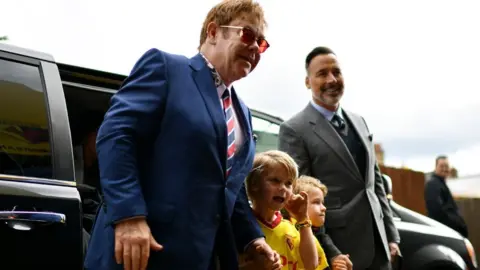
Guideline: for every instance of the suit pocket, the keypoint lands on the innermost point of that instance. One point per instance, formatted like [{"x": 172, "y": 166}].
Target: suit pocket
[{"x": 333, "y": 202}]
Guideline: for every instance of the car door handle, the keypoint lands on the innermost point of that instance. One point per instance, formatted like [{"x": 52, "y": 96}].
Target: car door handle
[{"x": 32, "y": 217}]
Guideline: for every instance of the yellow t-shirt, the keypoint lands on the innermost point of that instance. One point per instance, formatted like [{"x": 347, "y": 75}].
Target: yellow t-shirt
[
  {"x": 322, "y": 258},
  {"x": 283, "y": 237}
]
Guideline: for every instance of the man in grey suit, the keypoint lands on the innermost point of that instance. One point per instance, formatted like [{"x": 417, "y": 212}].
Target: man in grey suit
[{"x": 335, "y": 146}]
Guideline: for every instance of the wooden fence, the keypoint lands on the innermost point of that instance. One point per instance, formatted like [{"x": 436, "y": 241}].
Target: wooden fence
[{"x": 408, "y": 187}]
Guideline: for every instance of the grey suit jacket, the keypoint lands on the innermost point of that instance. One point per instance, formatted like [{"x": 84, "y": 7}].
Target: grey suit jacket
[{"x": 356, "y": 204}]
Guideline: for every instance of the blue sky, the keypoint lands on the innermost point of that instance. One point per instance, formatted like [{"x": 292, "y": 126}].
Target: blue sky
[{"x": 410, "y": 67}]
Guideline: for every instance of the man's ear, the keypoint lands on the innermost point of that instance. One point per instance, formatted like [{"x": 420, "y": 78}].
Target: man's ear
[
  {"x": 212, "y": 30},
  {"x": 307, "y": 82}
]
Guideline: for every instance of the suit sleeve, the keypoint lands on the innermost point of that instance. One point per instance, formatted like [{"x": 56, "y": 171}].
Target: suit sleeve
[
  {"x": 133, "y": 110},
  {"x": 439, "y": 209},
  {"x": 291, "y": 143},
  {"x": 244, "y": 224},
  {"x": 391, "y": 229}
]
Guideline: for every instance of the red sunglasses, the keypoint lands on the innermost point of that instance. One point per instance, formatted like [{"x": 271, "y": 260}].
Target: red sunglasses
[{"x": 248, "y": 36}]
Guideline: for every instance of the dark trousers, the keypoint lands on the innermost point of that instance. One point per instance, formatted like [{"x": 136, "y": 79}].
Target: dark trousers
[
  {"x": 380, "y": 261},
  {"x": 223, "y": 258}
]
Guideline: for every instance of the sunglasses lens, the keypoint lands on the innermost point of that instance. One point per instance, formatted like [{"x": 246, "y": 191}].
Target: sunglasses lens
[
  {"x": 262, "y": 45},
  {"x": 248, "y": 36}
]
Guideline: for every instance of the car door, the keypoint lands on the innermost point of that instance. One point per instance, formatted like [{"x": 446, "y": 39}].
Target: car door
[
  {"x": 40, "y": 207},
  {"x": 265, "y": 129}
]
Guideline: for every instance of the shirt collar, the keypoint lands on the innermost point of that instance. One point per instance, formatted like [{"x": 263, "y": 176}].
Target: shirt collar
[
  {"x": 327, "y": 113},
  {"x": 277, "y": 219},
  {"x": 439, "y": 177},
  {"x": 219, "y": 83}
]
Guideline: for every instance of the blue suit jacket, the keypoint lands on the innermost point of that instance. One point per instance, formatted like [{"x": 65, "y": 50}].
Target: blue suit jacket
[{"x": 162, "y": 154}]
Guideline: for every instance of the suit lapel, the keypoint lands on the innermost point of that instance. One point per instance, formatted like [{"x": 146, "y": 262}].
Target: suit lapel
[
  {"x": 356, "y": 124},
  {"x": 242, "y": 114},
  {"x": 241, "y": 156},
  {"x": 206, "y": 86},
  {"x": 322, "y": 128}
]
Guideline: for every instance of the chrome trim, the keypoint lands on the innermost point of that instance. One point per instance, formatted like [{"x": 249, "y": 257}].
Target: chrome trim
[
  {"x": 90, "y": 87},
  {"x": 47, "y": 181},
  {"x": 38, "y": 190},
  {"x": 32, "y": 217}
]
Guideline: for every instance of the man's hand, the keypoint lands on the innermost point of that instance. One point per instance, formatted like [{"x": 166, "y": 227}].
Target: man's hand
[
  {"x": 133, "y": 241},
  {"x": 262, "y": 254},
  {"x": 394, "y": 249},
  {"x": 297, "y": 206},
  {"x": 341, "y": 262}
]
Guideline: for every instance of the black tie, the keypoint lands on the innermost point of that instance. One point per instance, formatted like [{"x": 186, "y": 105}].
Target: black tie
[{"x": 338, "y": 122}]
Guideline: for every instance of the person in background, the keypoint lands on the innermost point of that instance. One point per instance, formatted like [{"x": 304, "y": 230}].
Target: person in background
[
  {"x": 174, "y": 149},
  {"x": 439, "y": 200},
  {"x": 335, "y": 145},
  {"x": 270, "y": 187}
]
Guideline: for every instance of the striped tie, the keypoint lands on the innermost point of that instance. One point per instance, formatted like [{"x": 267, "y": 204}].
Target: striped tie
[{"x": 228, "y": 109}]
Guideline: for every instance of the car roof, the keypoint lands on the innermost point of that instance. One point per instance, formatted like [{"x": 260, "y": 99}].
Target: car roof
[{"x": 4, "y": 47}]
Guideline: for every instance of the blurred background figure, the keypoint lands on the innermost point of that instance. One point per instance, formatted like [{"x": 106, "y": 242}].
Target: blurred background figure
[{"x": 439, "y": 200}]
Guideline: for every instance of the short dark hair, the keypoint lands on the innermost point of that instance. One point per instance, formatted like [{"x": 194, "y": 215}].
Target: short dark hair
[
  {"x": 315, "y": 52},
  {"x": 440, "y": 158}
]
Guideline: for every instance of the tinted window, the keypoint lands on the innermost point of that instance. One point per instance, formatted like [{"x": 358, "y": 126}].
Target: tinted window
[
  {"x": 267, "y": 134},
  {"x": 24, "y": 135}
]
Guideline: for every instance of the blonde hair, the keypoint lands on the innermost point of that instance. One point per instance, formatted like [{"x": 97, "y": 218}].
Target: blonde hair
[
  {"x": 306, "y": 183},
  {"x": 227, "y": 11},
  {"x": 267, "y": 161}
]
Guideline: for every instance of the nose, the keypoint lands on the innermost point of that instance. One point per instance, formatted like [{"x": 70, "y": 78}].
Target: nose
[
  {"x": 323, "y": 208},
  {"x": 254, "y": 46},
  {"x": 331, "y": 78}
]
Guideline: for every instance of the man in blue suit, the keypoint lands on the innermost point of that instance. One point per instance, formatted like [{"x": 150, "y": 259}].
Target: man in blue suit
[{"x": 174, "y": 150}]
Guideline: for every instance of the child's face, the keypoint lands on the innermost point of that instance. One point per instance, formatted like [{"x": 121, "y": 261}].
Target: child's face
[
  {"x": 275, "y": 188},
  {"x": 316, "y": 209}
]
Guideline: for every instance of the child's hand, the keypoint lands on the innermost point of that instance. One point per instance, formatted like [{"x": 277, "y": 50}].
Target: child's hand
[
  {"x": 342, "y": 262},
  {"x": 297, "y": 206},
  {"x": 339, "y": 265}
]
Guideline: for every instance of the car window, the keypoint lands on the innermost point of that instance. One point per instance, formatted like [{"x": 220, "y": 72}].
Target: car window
[
  {"x": 267, "y": 134},
  {"x": 24, "y": 135}
]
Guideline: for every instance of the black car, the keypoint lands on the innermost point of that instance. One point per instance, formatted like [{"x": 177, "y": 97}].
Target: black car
[
  {"x": 43, "y": 213},
  {"x": 428, "y": 244}
]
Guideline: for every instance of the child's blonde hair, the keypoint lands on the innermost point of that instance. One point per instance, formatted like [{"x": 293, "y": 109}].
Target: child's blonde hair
[
  {"x": 267, "y": 161},
  {"x": 306, "y": 183}
]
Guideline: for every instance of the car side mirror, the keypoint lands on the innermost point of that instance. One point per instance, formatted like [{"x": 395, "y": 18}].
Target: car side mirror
[{"x": 387, "y": 184}]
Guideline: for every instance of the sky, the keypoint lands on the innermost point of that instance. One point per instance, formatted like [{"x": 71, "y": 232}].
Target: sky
[{"x": 410, "y": 67}]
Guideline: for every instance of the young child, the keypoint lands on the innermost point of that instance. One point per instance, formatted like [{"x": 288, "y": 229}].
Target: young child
[
  {"x": 270, "y": 188},
  {"x": 316, "y": 211}
]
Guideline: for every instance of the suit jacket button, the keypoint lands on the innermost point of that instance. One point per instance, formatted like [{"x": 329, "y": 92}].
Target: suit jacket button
[{"x": 218, "y": 218}]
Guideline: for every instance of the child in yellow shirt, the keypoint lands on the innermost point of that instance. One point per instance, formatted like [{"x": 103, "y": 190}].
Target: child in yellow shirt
[
  {"x": 316, "y": 211},
  {"x": 270, "y": 187}
]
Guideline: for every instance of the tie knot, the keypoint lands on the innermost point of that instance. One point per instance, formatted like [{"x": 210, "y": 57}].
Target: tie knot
[
  {"x": 337, "y": 121},
  {"x": 226, "y": 94}
]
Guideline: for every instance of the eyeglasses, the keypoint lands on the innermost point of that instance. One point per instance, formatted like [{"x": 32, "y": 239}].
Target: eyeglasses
[{"x": 248, "y": 36}]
